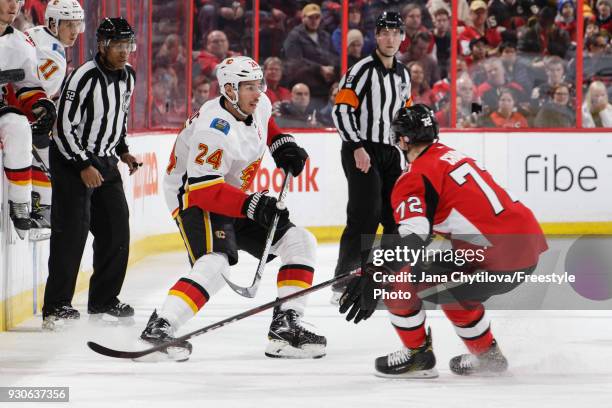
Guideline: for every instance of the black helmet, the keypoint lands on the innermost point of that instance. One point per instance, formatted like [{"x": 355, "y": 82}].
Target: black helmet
[
  {"x": 389, "y": 19},
  {"x": 417, "y": 123},
  {"x": 115, "y": 29}
]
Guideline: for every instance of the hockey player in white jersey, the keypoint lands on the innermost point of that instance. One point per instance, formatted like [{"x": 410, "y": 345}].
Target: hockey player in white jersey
[
  {"x": 64, "y": 21},
  {"x": 27, "y": 98},
  {"x": 213, "y": 163}
]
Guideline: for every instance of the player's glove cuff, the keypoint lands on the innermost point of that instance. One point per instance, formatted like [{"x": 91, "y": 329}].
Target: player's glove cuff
[{"x": 287, "y": 154}]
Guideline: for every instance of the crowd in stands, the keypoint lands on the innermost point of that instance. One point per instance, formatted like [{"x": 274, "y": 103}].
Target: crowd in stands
[
  {"x": 516, "y": 59},
  {"x": 517, "y": 64}
]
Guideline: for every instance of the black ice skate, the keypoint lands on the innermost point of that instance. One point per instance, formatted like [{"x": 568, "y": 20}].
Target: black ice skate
[
  {"x": 59, "y": 317},
  {"x": 40, "y": 219},
  {"x": 491, "y": 361},
  {"x": 159, "y": 331},
  {"x": 409, "y": 363},
  {"x": 20, "y": 215},
  {"x": 115, "y": 314},
  {"x": 290, "y": 339}
]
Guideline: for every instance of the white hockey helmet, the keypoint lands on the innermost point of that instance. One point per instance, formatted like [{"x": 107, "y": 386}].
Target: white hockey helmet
[
  {"x": 235, "y": 70},
  {"x": 65, "y": 10}
]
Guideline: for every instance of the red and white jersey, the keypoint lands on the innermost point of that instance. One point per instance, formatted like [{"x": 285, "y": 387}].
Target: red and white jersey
[
  {"x": 215, "y": 158},
  {"x": 17, "y": 52},
  {"x": 51, "y": 56},
  {"x": 447, "y": 192}
]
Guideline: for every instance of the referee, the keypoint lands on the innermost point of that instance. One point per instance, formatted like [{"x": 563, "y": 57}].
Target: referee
[
  {"x": 87, "y": 187},
  {"x": 370, "y": 94}
]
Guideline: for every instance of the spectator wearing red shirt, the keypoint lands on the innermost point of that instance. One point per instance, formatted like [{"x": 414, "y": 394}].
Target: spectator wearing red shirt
[
  {"x": 566, "y": 17},
  {"x": 412, "y": 14},
  {"x": 479, "y": 28},
  {"x": 273, "y": 73},
  {"x": 505, "y": 116},
  {"x": 604, "y": 17},
  {"x": 217, "y": 49}
]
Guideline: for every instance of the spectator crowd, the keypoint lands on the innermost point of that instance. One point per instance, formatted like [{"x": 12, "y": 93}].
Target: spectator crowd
[{"x": 516, "y": 59}]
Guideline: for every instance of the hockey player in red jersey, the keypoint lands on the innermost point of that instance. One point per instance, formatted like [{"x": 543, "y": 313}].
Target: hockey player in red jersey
[
  {"x": 27, "y": 97},
  {"x": 446, "y": 192},
  {"x": 212, "y": 165}
]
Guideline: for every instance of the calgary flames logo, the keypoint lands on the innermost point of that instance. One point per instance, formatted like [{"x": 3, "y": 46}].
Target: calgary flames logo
[{"x": 248, "y": 174}]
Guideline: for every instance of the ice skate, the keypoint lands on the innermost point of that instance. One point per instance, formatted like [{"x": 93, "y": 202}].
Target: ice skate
[
  {"x": 59, "y": 318},
  {"x": 409, "y": 363},
  {"x": 159, "y": 331},
  {"x": 290, "y": 339},
  {"x": 118, "y": 314},
  {"x": 20, "y": 216},
  {"x": 491, "y": 361},
  {"x": 40, "y": 219}
]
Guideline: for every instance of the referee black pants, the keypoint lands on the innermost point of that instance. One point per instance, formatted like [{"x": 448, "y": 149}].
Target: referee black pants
[
  {"x": 369, "y": 202},
  {"x": 75, "y": 211}
]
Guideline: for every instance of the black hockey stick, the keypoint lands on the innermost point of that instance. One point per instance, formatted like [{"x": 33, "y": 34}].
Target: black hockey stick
[
  {"x": 250, "y": 291},
  {"x": 278, "y": 301},
  {"x": 43, "y": 166},
  {"x": 11, "y": 75}
]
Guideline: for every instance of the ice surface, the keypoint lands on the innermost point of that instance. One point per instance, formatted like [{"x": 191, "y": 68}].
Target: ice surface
[{"x": 558, "y": 359}]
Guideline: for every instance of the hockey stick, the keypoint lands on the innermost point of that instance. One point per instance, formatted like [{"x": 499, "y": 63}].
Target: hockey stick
[
  {"x": 43, "y": 166},
  {"x": 11, "y": 75},
  {"x": 278, "y": 301},
  {"x": 250, "y": 291}
]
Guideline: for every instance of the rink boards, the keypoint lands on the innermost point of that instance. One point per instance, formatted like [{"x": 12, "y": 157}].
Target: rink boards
[{"x": 563, "y": 177}]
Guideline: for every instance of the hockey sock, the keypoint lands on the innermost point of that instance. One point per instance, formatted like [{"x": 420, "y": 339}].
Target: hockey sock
[
  {"x": 191, "y": 292},
  {"x": 16, "y": 139},
  {"x": 471, "y": 324},
  {"x": 19, "y": 184},
  {"x": 291, "y": 279},
  {"x": 297, "y": 249},
  {"x": 410, "y": 326}
]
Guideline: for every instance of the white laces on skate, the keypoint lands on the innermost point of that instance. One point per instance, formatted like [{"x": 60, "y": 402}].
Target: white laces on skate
[
  {"x": 469, "y": 361},
  {"x": 399, "y": 357},
  {"x": 295, "y": 318}
]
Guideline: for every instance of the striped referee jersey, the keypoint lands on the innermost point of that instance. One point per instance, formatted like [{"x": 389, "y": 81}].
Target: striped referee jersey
[
  {"x": 369, "y": 97},
  {"x": 93, "y": 111}
]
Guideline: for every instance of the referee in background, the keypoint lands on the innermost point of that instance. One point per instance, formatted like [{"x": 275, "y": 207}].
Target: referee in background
[
  {"x": 87, "y": 187},
  {"x": 370, "y": 94}
]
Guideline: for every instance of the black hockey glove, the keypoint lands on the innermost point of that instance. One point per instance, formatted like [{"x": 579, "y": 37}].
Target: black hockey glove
[
  {"x": 359, "y": 294},
  {"x": 287, "y": 154},
  {"x": 262, "y": 209},
  {"x": 45, "y": 113}
]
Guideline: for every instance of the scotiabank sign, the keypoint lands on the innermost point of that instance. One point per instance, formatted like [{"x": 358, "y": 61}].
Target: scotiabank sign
[
  {"x": 271, "y": 179},
  {"x": 317, "y": 197},
  {"x": 145, "y": 180},
  {"x": 562, "y": 177}
]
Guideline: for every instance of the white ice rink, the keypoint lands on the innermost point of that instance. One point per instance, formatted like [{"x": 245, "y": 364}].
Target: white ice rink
[{"x": 557, "y": 359}]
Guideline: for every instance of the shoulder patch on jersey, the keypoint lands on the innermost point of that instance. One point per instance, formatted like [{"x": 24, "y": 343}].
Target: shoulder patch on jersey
[
  {"x": 59, "y": 49},
  {"x": 221, "y": 125}
]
